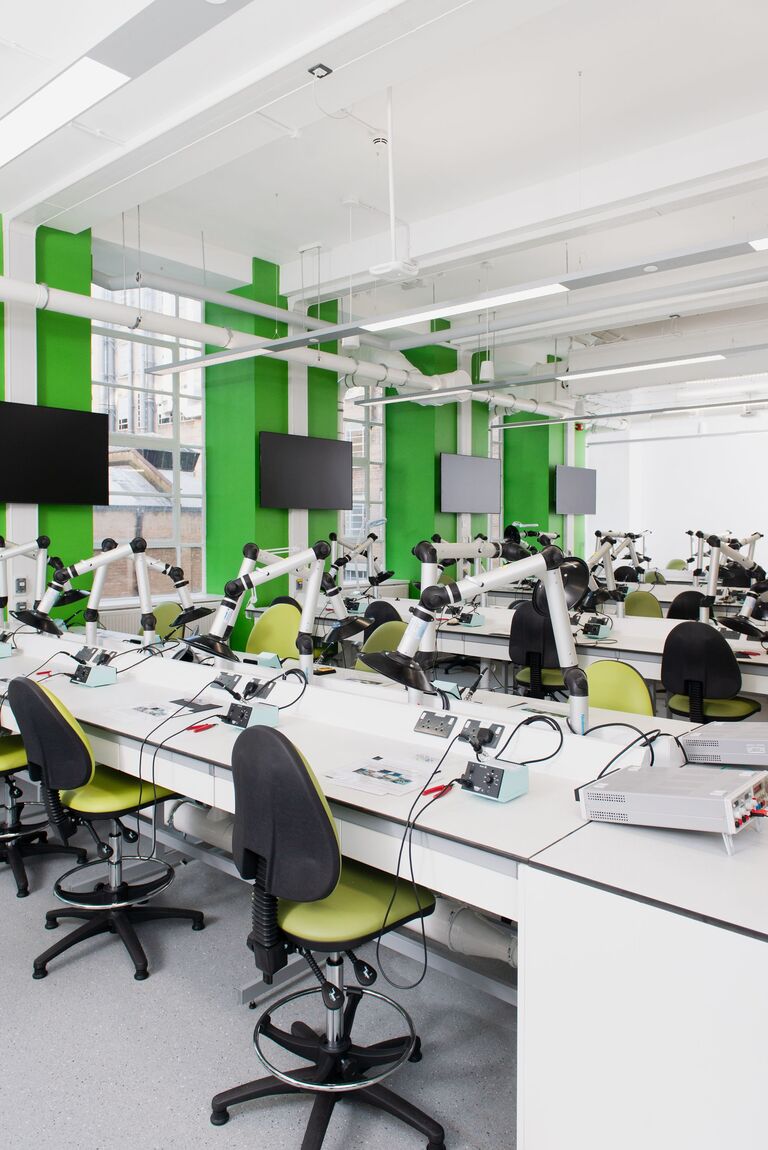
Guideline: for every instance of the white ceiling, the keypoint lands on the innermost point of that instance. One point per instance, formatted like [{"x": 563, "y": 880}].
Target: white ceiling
[{"x": 532, "y": 139}]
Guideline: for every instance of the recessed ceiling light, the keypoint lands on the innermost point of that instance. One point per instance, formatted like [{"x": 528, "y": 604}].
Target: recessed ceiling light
[{"x": 67, "y": 96}]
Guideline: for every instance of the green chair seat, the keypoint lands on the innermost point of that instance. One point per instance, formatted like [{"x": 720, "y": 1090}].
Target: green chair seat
[
  {"x": 354, "y": 912},
  {"x": 13, "y": 757},
  {"x": 385, "y": 638},
  {"x": 276, "y": 630},
  {"x": 724, "y": 709},
  {"x": 643, "y": 604},
  {"x": 550, "y": 677},
  {"x": 653, "y": 577},
  {"x": 617, "y": 686},
  {"x": 677, "y": 565},
  {"x": 110, "y": 792}
]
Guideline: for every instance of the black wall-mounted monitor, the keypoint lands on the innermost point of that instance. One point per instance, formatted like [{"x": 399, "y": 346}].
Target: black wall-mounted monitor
[
  {"x": 470, "y": 484},
  {"x": 575, "y": 490},
  {"x": 53, "y": 455},
  {"x": 302, "y": 471}
]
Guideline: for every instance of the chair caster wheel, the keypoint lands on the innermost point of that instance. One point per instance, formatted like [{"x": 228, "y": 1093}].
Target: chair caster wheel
[
  {"x": 198, "y": 926},
  {"x": 22, "y": 893},
  {"x": 83, "y": 860},
  {"x": 436, "y": 1145},
  {"x": 416, "y": 1055},
  {"x": 140, "y": 975},
  {"x": 39, "y": 973},
  {"x": 219, "y": 1117},
  {"x": 51, "y": 925}
]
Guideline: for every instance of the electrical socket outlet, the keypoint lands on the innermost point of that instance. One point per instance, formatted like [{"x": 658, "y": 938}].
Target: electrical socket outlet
[
  {"x": 21, "y": 586},
  {"x": 21, "y": 604},
  {"x": 436, "y": 723},
  {"x": 472, "y": 726}
]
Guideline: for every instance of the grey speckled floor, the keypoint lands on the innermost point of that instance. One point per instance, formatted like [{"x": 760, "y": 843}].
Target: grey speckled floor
[{"x": 96, "y": 1061}]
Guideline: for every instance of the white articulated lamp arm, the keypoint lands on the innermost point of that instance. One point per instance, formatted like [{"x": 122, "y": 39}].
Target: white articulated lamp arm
[
  {"x": 39, "y": 617},
  {"x": 215, "y": 642},
  {"x": 189, "y": 612},
  {"x": 9, "y": 551},
  {"x": 315, "y": 558},
  {"x": 401, "y": 665}
]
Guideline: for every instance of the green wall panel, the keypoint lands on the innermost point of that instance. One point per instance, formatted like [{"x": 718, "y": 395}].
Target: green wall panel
[
  {"x": 242, "y": 399},
  {"x": 415, "y": 436},
  {"x": 63, "y": 261},
  {"x": 323, "y": 415}
]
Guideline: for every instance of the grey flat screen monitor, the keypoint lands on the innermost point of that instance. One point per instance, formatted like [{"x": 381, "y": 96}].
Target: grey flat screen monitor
[
  {"x": 470, "y": 484},
  {"x": 53, "y": 455},
  {"x": 575, "y": 491},
  {"x": 303, "y": 471}
]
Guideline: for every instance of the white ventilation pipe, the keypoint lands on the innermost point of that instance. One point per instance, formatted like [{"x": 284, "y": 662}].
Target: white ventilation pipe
[
  {"x": 43, "y": 298},
  {"x": 212, "y": 295},
  {"x": 466, "y": 931},
  {"x": 207, "y": 823}
]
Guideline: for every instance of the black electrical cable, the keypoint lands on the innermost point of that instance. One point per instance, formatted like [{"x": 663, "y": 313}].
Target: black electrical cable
[{"x": 393, "y": 982}]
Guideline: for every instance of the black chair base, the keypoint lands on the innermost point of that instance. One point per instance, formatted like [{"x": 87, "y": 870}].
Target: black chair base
[
  {"x": 121, "y": 922},
  {"x": 14, "y": 853},
  {"x": 346, "y": 1063}
]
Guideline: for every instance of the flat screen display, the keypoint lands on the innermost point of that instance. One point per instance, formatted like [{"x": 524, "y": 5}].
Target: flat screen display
[
  {"x": 299, "y": 471},
  {"x": 469, "y": 484},
  {"x": 575, "y": 490},
  {"x": 53, "y": 455}
]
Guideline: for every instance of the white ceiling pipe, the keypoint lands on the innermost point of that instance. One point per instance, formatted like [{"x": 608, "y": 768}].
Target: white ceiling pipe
[
  {"x": 511, "y": 403},
  {"x": 42, "y": 297},
  {"x": 212, "y": 295}
]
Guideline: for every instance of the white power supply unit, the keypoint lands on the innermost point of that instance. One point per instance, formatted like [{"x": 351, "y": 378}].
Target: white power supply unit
[
  {"x": 723, "y": 801},
  {"x": 733, "y": 744}
]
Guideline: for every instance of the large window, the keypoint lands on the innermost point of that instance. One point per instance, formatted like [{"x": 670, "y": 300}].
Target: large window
[
  {"x": 364, "y": 428},
  {"x": 156, "y": 448}
]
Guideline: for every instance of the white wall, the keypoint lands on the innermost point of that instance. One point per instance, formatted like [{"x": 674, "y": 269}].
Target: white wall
[{"x": 671, "y": 475}]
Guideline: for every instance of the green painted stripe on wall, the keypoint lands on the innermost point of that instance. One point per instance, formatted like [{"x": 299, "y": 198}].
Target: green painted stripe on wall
[
  {"x": 242, "y": 399},
  {"x": 415, "y": 436},
  {"x": 323, "y": 415},
  {"x": 63, "y": 261}
]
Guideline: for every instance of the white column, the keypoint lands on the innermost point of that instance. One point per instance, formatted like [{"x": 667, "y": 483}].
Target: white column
[
  {"x": 464, "y": 441},
  {"x": 21, "y": 521},
  {"x": 569, "y": 460},
  {"x": 298, "y": 423}
]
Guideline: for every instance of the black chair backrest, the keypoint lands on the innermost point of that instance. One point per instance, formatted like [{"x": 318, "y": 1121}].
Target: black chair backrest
[
  {"x": 380, "y": 611},
  {"x": 695, "y": 653},
  {"x": 286, "y": 599},
  {"x": 731, "y": 575},
  {"x": 531, "y": 638},
  {"x": 626, "y": 575},
  {"x": 685, "y": 605},
  {"x": 283, "y": 834},
  {"x": 53, "y": 740}
]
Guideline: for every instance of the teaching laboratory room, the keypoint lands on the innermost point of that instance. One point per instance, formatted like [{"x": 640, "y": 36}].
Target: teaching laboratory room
[{"x": 383, "y": 574}]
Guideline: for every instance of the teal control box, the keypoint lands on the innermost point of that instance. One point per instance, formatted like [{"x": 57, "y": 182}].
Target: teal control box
[{"x": 489, "y": 780}]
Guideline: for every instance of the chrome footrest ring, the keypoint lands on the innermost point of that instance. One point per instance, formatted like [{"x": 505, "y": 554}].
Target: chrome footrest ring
[
  {"x": 105, "y": 897},
  {"x": 333, "y": 1087}
]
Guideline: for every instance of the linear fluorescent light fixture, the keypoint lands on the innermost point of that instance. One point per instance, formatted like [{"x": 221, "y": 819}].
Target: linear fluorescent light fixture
[
  {"x": 67, "y": 96},
  {"x": 637, "y": 367},
  {"x": 759, "y": 245},
  {"x": 484, "y": 303}
]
